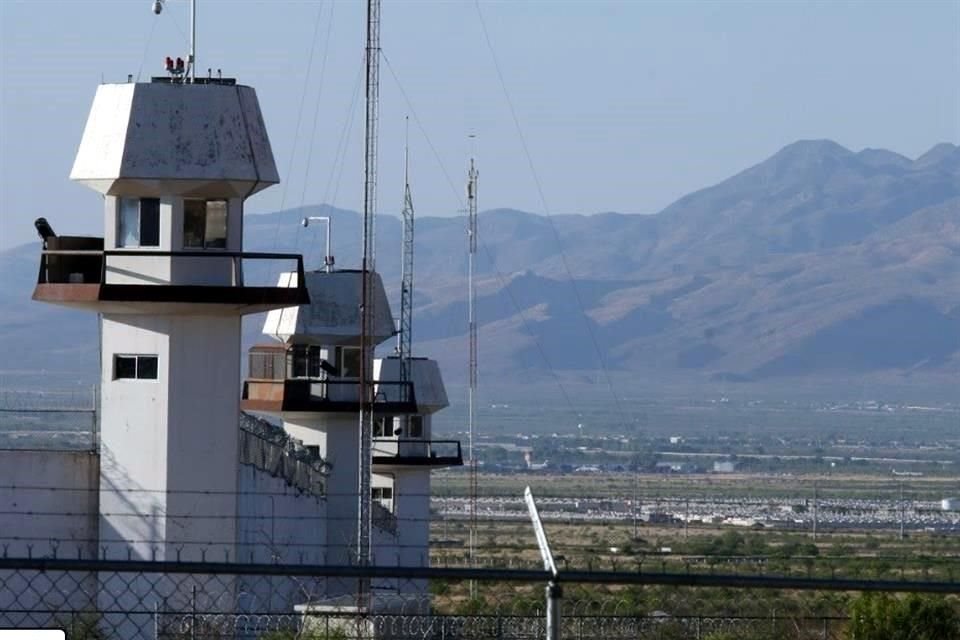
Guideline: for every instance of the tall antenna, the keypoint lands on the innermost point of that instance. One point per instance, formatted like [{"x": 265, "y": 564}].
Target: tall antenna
[
  {"x": 192, "y": 59},
  {"x": 192, "y": 56},
  {"x": 472, "y": 312},
  {"x": 405, "y": 338},
  {"x": 367, "y": 299}
]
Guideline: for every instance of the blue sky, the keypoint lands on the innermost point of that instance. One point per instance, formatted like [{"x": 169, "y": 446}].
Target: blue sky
[{"x": 625, "y": 106}]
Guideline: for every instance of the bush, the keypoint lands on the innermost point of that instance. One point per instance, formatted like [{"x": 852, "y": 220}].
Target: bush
[{"x": 915, "y": 617}]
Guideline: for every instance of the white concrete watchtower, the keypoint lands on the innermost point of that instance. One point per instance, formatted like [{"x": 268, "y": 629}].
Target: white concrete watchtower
[
  {"x": 175, "y": 162},
  {"x": 310, "y": 380}
]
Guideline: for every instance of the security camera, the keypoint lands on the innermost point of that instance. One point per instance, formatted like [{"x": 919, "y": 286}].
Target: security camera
[
  {"x": 398, "y": 431},
  {"x": 306, "y": 221},
  {"x": 157, "y": 6}
]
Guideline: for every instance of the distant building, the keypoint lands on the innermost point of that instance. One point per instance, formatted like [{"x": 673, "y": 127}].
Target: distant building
[
  {"x": 724, "y": 466},
  {"x": 950, "y": 504},
  {"x": 675, "y": 467}
]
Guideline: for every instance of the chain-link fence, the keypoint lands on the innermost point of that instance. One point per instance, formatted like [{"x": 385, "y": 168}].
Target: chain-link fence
[{"x": 98, "y": 599}]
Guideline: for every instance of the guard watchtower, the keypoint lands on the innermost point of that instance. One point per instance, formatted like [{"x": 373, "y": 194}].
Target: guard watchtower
[
  {"x": 174, "y": 162},
  {"x": 310, "y": 379}
]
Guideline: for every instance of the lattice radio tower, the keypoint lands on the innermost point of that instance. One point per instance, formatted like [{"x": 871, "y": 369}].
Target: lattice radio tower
[{"x": 367, "y": 267}]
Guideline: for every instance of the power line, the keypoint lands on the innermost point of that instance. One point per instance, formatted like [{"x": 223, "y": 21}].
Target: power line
[
  {"x": 296, "y": 129},
  {"x": 486, "y": 250},
  {"x": 549, "y": 217}
]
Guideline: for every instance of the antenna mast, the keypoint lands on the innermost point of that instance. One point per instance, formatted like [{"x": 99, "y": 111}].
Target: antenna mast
[
  {"x": 405, "y": 339},
  {"x": 472, "y": 306},
  {"x": 367, "y": 301}
]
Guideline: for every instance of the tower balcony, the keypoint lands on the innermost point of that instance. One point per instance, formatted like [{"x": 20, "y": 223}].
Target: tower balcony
[
  {"x": 294, "y": 378},
  {"x": 324, "y": 395},
  {"x": 77, "y": 272},
  {"x": 404, "y": 452}
]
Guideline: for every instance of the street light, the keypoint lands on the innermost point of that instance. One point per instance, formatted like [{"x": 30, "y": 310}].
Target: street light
[{"x": 328, "y": 257}]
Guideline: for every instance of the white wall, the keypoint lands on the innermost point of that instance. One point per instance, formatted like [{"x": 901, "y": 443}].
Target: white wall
[
  {"x": 170, "y": 446},
  {"x": 133, "y": 435},
  {"x": 59, "y": 490},
  {"x": 203, "y": 433},
  {"x": 279, "y": 523},
  {"x": 339, "y": 440}
]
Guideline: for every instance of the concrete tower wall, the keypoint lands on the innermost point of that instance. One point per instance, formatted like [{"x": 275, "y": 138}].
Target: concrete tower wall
[
  {"x": 133, "y": 438},
  {"x": 338, "y": 437},
  {"x": 202, "y": 440},
  {"x": 169, "y": 445}
]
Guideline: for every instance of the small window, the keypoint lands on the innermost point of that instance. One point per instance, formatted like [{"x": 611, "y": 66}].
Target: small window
[
  {"x": 383, "y": 427},
  {"x": 135, "y": 367},
  {"x": 306, "y": 361},
  {"x": 415, "y": 426},
  {"x": 138, "y": 222},
  {"x": 205, "y": 224},
  {"x": 349, "y": 362},
  {"x": 382, "y": 493}
]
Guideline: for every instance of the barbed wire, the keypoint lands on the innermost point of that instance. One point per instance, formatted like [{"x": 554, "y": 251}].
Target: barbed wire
[{"x": 119, "y": 599}]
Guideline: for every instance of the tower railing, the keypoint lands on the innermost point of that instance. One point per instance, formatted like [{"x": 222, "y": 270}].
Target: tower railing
[
  {"x": 92, "y": 265},
  {"x": 413, "y": 451},
  {"x": 325, "y": 394}
]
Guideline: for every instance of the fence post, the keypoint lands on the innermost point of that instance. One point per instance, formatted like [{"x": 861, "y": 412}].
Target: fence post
[
  {"x": 699, "y": 627},
  {"x": 825, "y": 625},
  {"x": 554, "y": 593},
  {"x": 193, "y": 612}
]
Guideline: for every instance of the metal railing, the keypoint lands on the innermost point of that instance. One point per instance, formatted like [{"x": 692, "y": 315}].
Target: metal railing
[
  {"x": 342, "y": 394},
  {"x": 90, "y": 266},
  {"x": 399, "y": 449}
]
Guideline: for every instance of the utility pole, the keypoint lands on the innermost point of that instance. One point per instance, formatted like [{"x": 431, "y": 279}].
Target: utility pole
[
  {"x": 901, "y": 510},
  {"x": 472, "y": 394},
  {"x": 816, "y": 508}
]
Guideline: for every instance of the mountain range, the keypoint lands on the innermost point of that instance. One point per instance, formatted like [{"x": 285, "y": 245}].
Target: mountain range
[{"x": 817, "y": 262}]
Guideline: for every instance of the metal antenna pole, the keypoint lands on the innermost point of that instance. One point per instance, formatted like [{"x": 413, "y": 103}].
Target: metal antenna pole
[
  {"x": 472, "y": 308},
  {"x": 554, "y": 590},
  {"x": 193, "y": 40},
  {"x": 328, "y": 260},
  {"x": 366, "y": 305},
  {"x": 405, "y": 337}
]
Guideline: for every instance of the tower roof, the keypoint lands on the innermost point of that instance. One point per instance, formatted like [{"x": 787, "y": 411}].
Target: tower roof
[
  {"x": 424, "y": 374},
  {"x": 333, "y": 315},
  {"x": 200, "y": 140}
]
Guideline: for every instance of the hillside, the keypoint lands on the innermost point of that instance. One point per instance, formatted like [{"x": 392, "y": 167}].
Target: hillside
[{"x": 819, "y": 261}]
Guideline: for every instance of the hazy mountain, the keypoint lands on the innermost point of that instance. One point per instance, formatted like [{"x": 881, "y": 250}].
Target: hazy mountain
[{"x": 816, "y": 261}]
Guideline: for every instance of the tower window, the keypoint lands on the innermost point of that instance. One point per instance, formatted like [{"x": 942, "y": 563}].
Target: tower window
[
  {"x": 205, "y": 224},
  {"x": 348, "y": 362},
  {"x": 139, "y": 222},
  {"x": 134, "y": 367},
  {"x": 415, "y": 426},
  {"x": 383, "y": 495},
  {"x": 383, "y": 427},
  {"x": 306, "y": 361}
]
